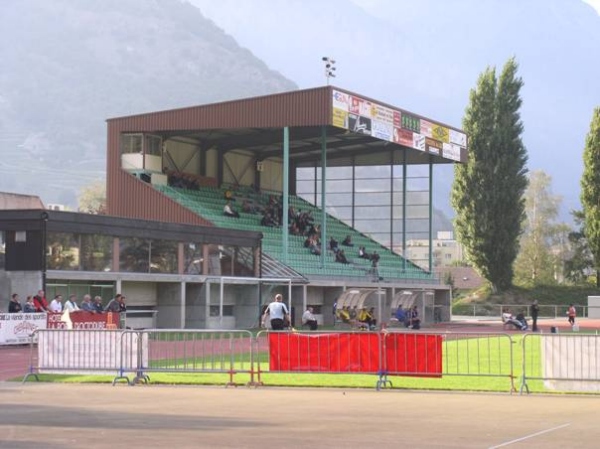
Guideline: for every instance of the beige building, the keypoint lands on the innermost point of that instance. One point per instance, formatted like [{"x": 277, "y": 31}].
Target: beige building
[{"x": 445, "y": 250}]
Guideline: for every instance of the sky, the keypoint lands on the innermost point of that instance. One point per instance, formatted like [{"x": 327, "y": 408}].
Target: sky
[{"x": 594, "y": 3}]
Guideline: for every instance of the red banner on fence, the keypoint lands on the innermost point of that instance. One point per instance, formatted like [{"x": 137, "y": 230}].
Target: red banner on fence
[
  {"x": 84, "y": 320},
  {"x": 417, "y": 355},
  {"x": 334, "y": 353}
]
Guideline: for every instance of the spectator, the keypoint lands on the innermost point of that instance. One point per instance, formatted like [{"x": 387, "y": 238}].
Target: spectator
[
  {"x": 117, "y": 304},
  {"x": 362, "y": 253},
  {"x": 522, "y": 320},
  {"x": 353, "y": 313},
  {"x": 71, "y": 304},
  {"x": 415, "y": 321},
  {"x": 344, "y": 314},
  {"x": 535, "y": 310},
  {"x": 229, "y": 211},
  {"x": 277, "y": 312},
  {"x": 268, "y": 220},
  {"x": 40, "y": 302},
  {"x": 309, "y": 319},
  {"x": 29, "y": 305},
  {"x": 248, "y": 208},
  {"x": 348, "y": 241},
  {"x": 341, "y": 257},
  {"x": 97, "y": 306},
  {"x": 572, "y": 314},
  {"x": 56, "y": 304},
  {"x": 400, "y": 315},
  {"x": 86, "y": 304},
  {"x": 314, "y": 246},
  {"x": 14, "y": 305},
  {"x": 333, "y": 245}
]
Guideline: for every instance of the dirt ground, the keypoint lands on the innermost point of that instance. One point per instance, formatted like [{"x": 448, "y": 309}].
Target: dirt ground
[{"x": 101, "y": 416}]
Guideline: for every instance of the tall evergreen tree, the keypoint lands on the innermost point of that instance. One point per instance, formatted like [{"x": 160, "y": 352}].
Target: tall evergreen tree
[
  {"x": 487, "y": 193},
  {"x": 590, "y": 190}
]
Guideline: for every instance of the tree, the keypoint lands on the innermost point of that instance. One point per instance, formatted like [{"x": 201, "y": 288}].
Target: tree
[
  {"x": 590, "y": 190},
  {"x": 487, "y": 193},
  {"x": 540, "y": 253},
  {"x": 92, "y": 198},
  {"x": 580, "y": 262}
]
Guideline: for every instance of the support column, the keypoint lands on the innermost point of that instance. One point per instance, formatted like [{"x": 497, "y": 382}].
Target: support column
[
  {"x": 182, "y": 306},
  {"x": 323, "y": 194},
  {"x": 286, "y": 175},
  {"x": 430, "y": 217},
  {"x": 404, "y": 184}
]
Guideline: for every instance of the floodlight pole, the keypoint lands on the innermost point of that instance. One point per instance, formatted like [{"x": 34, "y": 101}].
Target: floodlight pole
[{"x": 323, "y": 195}]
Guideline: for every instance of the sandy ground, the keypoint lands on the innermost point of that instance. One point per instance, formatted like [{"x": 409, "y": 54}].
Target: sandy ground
[{"x": 102, "y": 416}]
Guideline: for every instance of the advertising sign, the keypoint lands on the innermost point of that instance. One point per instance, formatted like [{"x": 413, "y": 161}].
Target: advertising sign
[
  {"x": 15, "y": 328},
  {"x": 365, "y": 117},
  {"x": 359, "y": 124},
  {"x": 340, "y": 118},
  {"x": 84, "y": 320}
]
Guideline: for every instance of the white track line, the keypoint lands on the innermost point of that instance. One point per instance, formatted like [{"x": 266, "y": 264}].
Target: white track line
[{"x": 531, "y": 436}]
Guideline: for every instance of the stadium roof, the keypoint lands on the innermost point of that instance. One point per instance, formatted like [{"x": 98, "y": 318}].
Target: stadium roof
[{"x": 357, "y": 129}]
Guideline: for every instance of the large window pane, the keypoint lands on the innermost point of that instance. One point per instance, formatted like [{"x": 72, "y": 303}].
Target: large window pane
[
  {"x": 96, "y": 252},
  {"x": 134, "y": 255},
  {"x": 192, "y": 258},
  {"x": 131, "y": 143},
  {"x": 62, "y": 251},
  {"x": 163, "y": 256}
]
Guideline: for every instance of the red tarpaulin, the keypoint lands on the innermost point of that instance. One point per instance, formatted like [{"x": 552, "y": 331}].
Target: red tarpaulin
[
  {"x": 413, "y": 355},
  {"x": 330, "y": 353}
]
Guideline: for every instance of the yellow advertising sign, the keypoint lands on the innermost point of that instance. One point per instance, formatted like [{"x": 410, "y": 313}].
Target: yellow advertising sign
[
  {"x": 440, "y": 133},
  {"x": 340, "y": 118}
]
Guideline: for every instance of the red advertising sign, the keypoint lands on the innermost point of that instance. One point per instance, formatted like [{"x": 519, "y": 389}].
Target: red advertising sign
[{"x": 84, "y": 320}]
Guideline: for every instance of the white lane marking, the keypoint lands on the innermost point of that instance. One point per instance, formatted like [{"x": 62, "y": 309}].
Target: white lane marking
[{"x": 526, "y": 437}]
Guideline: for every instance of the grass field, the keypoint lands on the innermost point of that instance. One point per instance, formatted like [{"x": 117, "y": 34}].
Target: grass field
[{"x": 469, "y": 364}]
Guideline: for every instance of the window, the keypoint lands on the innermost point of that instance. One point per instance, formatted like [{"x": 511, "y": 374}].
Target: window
[
  {"x": 131, "y": 143},
  {"x": 227, "y": 310},
  {"x": 153, "y": 145}
]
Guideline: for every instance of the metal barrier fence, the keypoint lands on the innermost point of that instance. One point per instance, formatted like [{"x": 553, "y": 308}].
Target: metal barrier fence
[
  {"x": 496, "y": 310},
  {"x": 397, "y": 353},
  {"x": 195, "y": 351},
  {"x": 562, "y": 361},
  {"x": 61, "y": 351}
]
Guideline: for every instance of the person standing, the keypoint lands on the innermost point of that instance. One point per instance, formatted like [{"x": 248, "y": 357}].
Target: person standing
[
  {"x": 29, "y": 305},
  {"x": 40, "y": 302},
  {"x": 56, "y": 304},
  {"x": 71, "y": 304},
  {"x": 117, "y": 304},
  {"x": 309, "y": 319},
  {"x": 277, "y": 312},
  {"x": 86, "y": 304},
  {"x": 572, "y": 313},
  {"x": 535, "y": 310},
  {"x": 14, "y": 305}
]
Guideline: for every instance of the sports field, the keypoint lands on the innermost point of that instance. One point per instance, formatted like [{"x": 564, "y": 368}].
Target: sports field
[{"x": 101, "y": 416}]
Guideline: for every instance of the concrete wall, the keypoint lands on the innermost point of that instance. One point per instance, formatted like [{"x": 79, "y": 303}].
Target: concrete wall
[
  {"x": 169, "y": 305},
  {"x": 195, "y": 316},
  {"x": 139, "y": 293},
  {"x": 24, "y": 283}
]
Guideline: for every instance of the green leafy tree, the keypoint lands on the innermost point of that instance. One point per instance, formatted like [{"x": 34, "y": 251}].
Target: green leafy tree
[
  {"x": 590, "y": 190},
  {"x": 487, "y": 193},
  {"x": 538, "y": 260},
  {"x": 580, "y": 262},
  {"x": 92, "y": 198}
]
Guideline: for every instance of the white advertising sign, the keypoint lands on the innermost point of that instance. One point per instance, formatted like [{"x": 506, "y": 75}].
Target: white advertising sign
[
  {"x": 340, "y": 100},
  {"x": 458, "y": 138},
  {"x": 451, "y": 151},
  {"x": 16, "y": 328}
]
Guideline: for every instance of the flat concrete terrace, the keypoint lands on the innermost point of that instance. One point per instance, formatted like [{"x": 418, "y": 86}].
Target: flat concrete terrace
[{"x": 101, "y": 416}]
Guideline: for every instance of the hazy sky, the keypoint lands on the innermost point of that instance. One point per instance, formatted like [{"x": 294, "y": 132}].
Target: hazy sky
[{"x": 594, "y": 3}]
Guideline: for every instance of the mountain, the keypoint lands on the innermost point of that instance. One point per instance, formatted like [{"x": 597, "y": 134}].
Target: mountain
[
  {"x": 425, "y": 56},
  {"x": 68, "y": 65}
]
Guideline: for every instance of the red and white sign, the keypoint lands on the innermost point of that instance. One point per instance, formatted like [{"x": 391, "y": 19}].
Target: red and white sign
[{"x": 84, "y": 320}]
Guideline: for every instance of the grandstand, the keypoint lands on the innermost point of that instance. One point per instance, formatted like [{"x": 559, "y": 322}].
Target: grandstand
[
  {"x": 208, "y": 203},
  {"x": 256, "y": 148}
]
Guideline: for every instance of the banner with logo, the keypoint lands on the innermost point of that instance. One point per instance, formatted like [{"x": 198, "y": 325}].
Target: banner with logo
[
  {"x": 84, "y": 320},
  {"x": 15, "y": 328}
]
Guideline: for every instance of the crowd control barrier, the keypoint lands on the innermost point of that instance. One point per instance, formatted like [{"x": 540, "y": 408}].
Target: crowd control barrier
[
  {"x": 61, "y": 351},
  {"x": 564, "y": 362},
  {"x": 195, "y": 351},
  {"x": 388, "y": 353}
]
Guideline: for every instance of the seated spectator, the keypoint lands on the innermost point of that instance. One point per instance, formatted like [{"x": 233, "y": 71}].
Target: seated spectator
[
  {"x": 309, "y": 319},
  {"x": 248, "y": 207},
  {"x": 228, "y": 195},
  {"x": 340, "y": 257},
  {"x": 29, "y": 305},
  {"x": 521, "y": 319},
  {"x": 333, "y": 245},
  {"x": 400, "y": 316},
  {"x": 362, "y": 253},
  {"x": 344, "y": 314},
  {"x": 268, "y": 221},
  {"x": 314, "y": 246},
  {"x": 353, "y": 313},
  {"x": 347, "y": 241},
  {"x": 97, "y": 306},
  {"x": 229, "y": 211},
  {"x": 71, "y": 304},
  {"x": 86, "y": 304},
  {"x": 375, "y": 257},
  {"x": 14, "y": 305}
]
